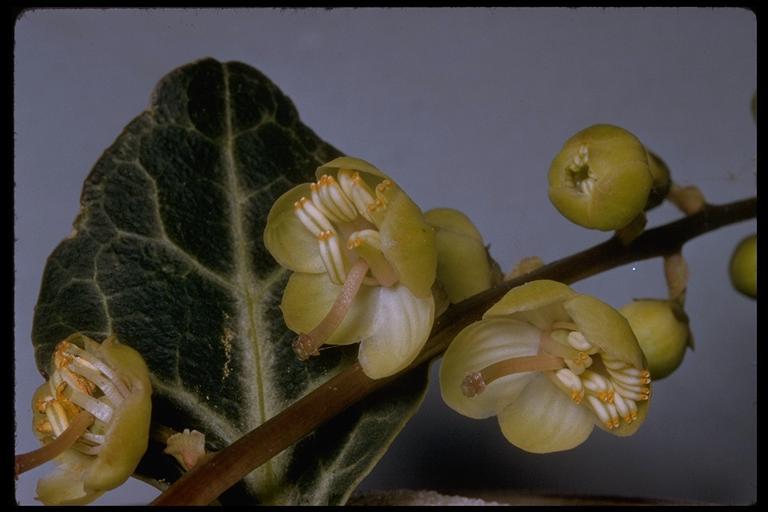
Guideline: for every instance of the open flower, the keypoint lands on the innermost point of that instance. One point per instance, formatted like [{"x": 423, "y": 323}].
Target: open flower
[
  {"x": 93, "y": 416},
  {"x": 551, "y": 364},
  {"x": 364, "y": 262}
]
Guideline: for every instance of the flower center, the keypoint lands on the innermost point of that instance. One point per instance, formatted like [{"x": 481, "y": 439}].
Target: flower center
[
  {"x": 579, "y": 173},
  {"x": 343, "y": 215},
  {"x": 610, "y": 387},
  {"x": 81, "y": 398}
]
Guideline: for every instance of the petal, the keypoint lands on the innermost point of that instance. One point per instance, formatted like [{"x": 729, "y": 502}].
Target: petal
[
  {"x": 401, "y": 327},
  {"x": 463, "y": 266},
  {"x": 538, "y": 302},
  {"x": 287, "y": 240},
  {"x": 308, "y": 298},
  {"x": 543, "y": 419},
  {"x": 127, "y": 435},
  {"x": 605, "y": 328},
  {"x": 477, "y": 346},
  {"x": 408, "y": 242},
  {"x": 65, "y": 487},
  {"x": 370, "y": 174},
  {"x": 455, "y": 221}
]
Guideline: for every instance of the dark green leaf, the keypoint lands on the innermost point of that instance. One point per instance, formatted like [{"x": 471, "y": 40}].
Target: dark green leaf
[{"x": 167, "y": 254}]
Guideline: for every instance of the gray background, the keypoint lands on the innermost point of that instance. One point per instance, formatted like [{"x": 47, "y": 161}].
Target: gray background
[{"x": 465, "y": 108}]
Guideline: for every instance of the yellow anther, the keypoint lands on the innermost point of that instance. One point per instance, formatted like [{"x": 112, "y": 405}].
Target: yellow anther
[
  {"x": 354, "y": 243},
  {"x": 582, "y": 357},
  {"x": 606, "y": 396},
  {"x": 645, "y": 374},
  {"x": 325, "y": 235},
  {"x": 300, "y": 203},
  {"x": 609, "y": 425},
  {"x": 629, "y": 418},
  {"x": 44, "y": 427},
  {"x": 577, "y": 396},
  {"x": 384, "y": 186},
  {"x": 378, "y": 204}
]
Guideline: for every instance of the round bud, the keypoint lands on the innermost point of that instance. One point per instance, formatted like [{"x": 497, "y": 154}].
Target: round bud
[
  {"x": 661, "y": 180},
  {"x": 601, "y": 179},
  {"x": 661, "y": 328},
  {"x": 743, "y": 267}
]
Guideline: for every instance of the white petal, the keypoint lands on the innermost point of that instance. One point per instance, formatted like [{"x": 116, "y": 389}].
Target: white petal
[
  {"x": 543, "y": 419},
  {"x": 477, "y": 346},
  {"x": 401, "y": 326}
]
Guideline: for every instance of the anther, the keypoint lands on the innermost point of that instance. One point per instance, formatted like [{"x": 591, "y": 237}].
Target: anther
[
  {"x": 572, "y": 382},
  {"x": 311, "y": 217}
]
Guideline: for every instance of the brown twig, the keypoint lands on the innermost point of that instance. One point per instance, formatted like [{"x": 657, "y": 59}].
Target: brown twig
[{"x": 208, "y": 480}]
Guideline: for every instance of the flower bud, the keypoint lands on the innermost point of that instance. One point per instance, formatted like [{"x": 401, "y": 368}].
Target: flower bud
[
  {"x": 661, "y": 180},
  {"x": 601, "y": 178},
  {"x": 743, "y": 267},
  {"x": 661, "y": 328}
]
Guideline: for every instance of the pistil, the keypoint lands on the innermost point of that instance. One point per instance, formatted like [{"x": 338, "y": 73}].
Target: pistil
[
  {"x": 61, "y": 443},
  {"x": 476, "y": 382},
  {"x": 307, "y": 345}
]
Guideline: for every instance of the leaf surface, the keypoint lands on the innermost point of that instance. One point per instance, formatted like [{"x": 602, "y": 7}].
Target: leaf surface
[{"x": 167, "y": 254}]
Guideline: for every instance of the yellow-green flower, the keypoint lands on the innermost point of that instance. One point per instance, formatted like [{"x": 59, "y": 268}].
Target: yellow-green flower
[
  {"x": 364, "y": 261},
  {"x": 551, "y": 364},
  {"x": 464, "y": 267},
  {"x": 110, "y": 382},
  {"x": 661, "y": 327},
  {"x": 743, "y": 266},
  {"x": 601, "y": 178}
]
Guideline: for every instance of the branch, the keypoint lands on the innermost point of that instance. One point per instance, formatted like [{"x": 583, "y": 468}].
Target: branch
[{"x": 207, "y": 481}]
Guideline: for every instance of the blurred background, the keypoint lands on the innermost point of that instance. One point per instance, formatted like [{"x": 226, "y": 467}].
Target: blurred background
[{"x": 464, "y": 108}]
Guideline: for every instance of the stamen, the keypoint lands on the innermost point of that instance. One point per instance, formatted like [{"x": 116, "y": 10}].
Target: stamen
[
  {"x": 307, "y": 345},
  {"x": 332, "y": 257},
  {"x": 578, "y": 341},
  {"x": 62, "y": 442},
  {"x": 598, "y": 386},
  {"x": 357, "y": 190},
  {"x": 601, "y": 411},
  {"x": 613, "y": 364},
  {"x": 622, "y": 407},
  {"x": 312, "y": 218},
  {"x": 629, "y": 380},
  {"x": 367, "y": 244},
  {"x": 331, "y": 200},
  {"x": 572, "y": 382},
  {"x": 632, "y": 394},
  {"x": 490, "y": 373}
]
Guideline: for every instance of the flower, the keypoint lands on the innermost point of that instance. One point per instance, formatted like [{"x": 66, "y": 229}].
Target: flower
[
  {"x": 464, "y": 267},
  {"x": 661, "y": 328},
  {"x": 601, "y": 178},
  {"x": 551, "y": 364},
  {"x": 364, "y": 261},
  {"x": 104, "y": 388},
  {"x": 743, "y": 266}
]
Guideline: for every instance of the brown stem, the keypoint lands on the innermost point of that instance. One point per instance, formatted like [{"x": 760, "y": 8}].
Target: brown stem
[
  {"x": 77, "y": 428},
  {"x": 208, "y": 480}
]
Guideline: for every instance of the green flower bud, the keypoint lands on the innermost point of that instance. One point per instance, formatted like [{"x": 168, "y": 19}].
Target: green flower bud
[
  {"x": 661, "y": 328},
  {"x": 601, "y": 178},
  {"x": 661, "y": 180},
  {"x": 743, "y": 267},
  {"x": 463, "y": 264}
]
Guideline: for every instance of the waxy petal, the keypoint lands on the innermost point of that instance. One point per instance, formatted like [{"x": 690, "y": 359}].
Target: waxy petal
[
  {"x": 542, "y": 419},
  {"x": 65, "y": 486},
  {"x": 463, "y": 266},
  {"x": 408, "y": 243},
  {"x": 478, "y": 346},
  {"x": 538, "y": 302},
  {"x": 308, "y": 298},
  {"x": 287, "y": 239},
  {"x": 605, "y": 328},
  {"x": 399, "y": 330}
]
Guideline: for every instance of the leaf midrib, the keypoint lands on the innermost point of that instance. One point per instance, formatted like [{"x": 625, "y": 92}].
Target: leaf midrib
[{"x": 243, "y": 274}]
